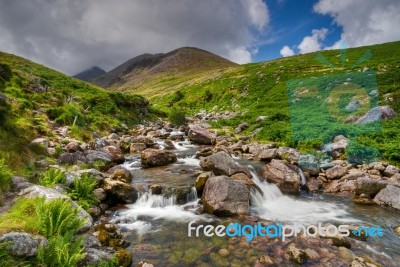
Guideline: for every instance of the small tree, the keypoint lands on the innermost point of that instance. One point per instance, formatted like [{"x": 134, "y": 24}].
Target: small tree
[{"x": 177, "y": 116}]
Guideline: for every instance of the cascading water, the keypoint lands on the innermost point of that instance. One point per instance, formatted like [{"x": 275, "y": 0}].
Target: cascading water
[
  {"x": 271, "y": 204},
  {"x": 155, "y": 207}
]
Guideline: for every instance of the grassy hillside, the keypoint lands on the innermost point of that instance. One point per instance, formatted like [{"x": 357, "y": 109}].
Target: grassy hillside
[
  {"x": 33, "y": 98},
  {"x": 150, "y": 74},
  {"x": 260, "y": 89}
]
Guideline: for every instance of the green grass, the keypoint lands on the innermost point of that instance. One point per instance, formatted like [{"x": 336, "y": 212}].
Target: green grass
[
  {"x": 261, "y": 89},
  {"x": 38, "y": 94},
  {"x": 51, "y": 177}
]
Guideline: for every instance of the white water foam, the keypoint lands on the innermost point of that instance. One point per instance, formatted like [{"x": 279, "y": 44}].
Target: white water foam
[
  {"x": 272, "y": 204},
  {"x": 159, "y": 207},
  {"x": 189, "y": 161}
]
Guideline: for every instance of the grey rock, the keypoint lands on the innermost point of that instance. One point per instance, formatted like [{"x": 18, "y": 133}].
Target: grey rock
[
  {"x": 376, "y": 114},
  {"x": 224, "y": 196},
  {"x": 284, "y": 175},
  {"x": 389, "y": 196},
  {"x": 22, "y": 244},
  {"x": 309, "y": 163},
  {"x": 336, "y": 172},
  {"x": 353, "y": 105},
  {"x": 268, "y": 154},
  {"x": 221, "y": 163},
  {"x": 390, "y": 171},
  {"x": 200, "y": 135},
  {"x": 369, "y": 186},
  {"x": 155, "y": 157},
  {"x": 71, "y": 158},
  {"x": 241, "y": 127}
]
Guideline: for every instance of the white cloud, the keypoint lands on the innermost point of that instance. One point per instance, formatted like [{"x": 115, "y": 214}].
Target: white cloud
[
  {"x": 71, "y": 35},
  {"x": 313, "y": 43},
  {"x": 286, "y": 51},
  {"x": 364, "y": 22}
]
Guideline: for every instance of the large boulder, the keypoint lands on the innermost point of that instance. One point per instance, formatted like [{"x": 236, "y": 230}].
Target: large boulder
[
  {"x": 50, "y": 194},
  {"x": 155, "y": 157},
  {"x": 289, "y": 154},
  {"x": 71, "y": 158},
  {"x": 115, "y": 154},
  {"x": 22, "y": 244},
  {"x": 221, "y": 163},
  {"x": 98, "y": 156},
  {"x": 376, "y": 114},
  {"x": 284, "y": 175},
  {"x": 389, "y": 196},
  {"x": 371, "y": 187},
  {"x": 201, "y": 181},
  {"x": 224, "y": 196},
  {"x": 309, "y": 163},
  {"x": 201, "y": 136},
  {"x": 119, "y": 192},
  {"x": 336, "y": 172}
]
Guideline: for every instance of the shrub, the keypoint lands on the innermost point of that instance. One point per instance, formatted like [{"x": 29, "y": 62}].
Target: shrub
[
  {"x": 82, "y": 191},
  {"x": 178, "y": 96},
  {"x": 58, "y": 217},
  {"x": 52, "y": 177},
  {"x": 5, "y": 176},
  {"x": 62, "y": 251},
  {"x": 177, "y": 116}
]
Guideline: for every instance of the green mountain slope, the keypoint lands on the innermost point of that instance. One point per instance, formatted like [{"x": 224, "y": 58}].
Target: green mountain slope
[
  {"x": 35, "y": 99},
  {"x": 260, "y": 89},
  {"x": 151, "y": 74}
]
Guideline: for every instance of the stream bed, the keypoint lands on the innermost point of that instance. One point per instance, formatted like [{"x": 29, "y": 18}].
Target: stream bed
[{"x": 157, "y": 225}]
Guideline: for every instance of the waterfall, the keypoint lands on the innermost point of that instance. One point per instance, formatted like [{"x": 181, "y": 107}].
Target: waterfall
[
  {"x": 303, "y": 178},
  {"x": 147, "y": 199},
  {"x": 269, "y": 202}
]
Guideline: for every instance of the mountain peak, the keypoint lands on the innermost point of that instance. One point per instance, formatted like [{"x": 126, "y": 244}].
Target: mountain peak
[
  {"x": 178, "y": 62},
  {"x": 90, "y": 74}
]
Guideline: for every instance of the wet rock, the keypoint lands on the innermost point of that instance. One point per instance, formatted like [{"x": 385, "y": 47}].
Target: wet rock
[
  {"x": 345, "y": 254},
  {"x": 156, "y": 157},
  {"x": 389, "y": 196},
  {"x": 205, "y": 152},
  {"x": 336, "y": 172},
  {"x": 283, "y": 174},
  {"x": 265, "y": 260},
  {"x": 169, "y": 145},
  {"x": 376, "y": 114},
  {"x": 309, "y": 163},
  {"x": 72, "y": 158},
  {"x": 180, "y": 193},
  {"x": 241, "y": 127},
  {"x": 144, "y": 140},
  {"x": 201, "y": 181},
  {"x": 224, "y": 196},
  {"x": 200, "y": 135},
  {"x": 340, "y": 241},
  {"x": 115, "y": 154},
  {"x": 222, "y": 164},
  {"x": 137, "y": 147},
  {"x": 22, "y": 244},
  {"x": 119, "y": 192},
  {"x": 297, "y": 255},
  {"x": 156, "y": 189},
  {"x": 144, "y": 264},
  {"x": 313, "y": 185},
  {"x": 121, "y": 174},
  {"x": 361, "y": 262},
  {"x": 369, "y": 186},
  {"x": 244, "y": 178}
]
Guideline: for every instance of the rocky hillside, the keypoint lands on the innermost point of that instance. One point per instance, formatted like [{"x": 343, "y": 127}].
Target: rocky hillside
[
  {"x": 144, "y": 74},
  {"x": 36, "y": 100},
  {"x": 90, "y": 74}
]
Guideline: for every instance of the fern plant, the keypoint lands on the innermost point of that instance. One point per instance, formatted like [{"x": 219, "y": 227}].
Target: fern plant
[
  {"x": 82, "y": 191},
  {"x": 58, "y": 217},
  {"x": 52, "y": 177},
  {"x": 62, "y": 251},
  {"x": 5, "y": 176}
]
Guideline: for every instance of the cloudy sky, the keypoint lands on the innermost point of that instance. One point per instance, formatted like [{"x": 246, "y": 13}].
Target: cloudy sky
[{"x": 72, "y": 35}]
